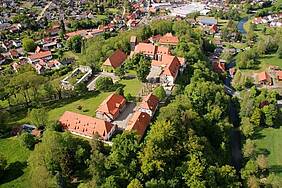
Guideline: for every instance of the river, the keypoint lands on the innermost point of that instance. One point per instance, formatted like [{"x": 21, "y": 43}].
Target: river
[{"x": 241, "y": 24}]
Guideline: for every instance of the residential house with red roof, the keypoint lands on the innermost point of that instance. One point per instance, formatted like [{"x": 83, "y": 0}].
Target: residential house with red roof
[
  {"x": 264, "y": 78},
  {"x": 86, "y": 126},
  {"x": 111, "y": 107},
  {"x": 44, "y": 55},
  {"x": 149, "y": 104},
  {"x": 169, "y": 39},
  {"x": 14, "y": 54},
  {"x": 139, "y": 122},
  {"x": 165, "y": 70},
  {"x": 279, "y": 75},
  {"x": 218, "y": 66},
  {"x": 114, "y": 61}
]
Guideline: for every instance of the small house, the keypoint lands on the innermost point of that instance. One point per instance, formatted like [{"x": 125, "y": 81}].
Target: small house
[
  {"x": 111, "y": 107},
  {"x": 114, "y": 61}
]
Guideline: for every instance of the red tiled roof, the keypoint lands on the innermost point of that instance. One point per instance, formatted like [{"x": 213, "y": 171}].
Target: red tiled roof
[
  {"x": 76, "y": 33},
  {"x": 40, "y": 55},
  {"x": 279, "y": 75},
  {"x": 169, "y": 39},
  {"x": 263, "y": 76},
  {"x": 155, "y": 38},
  {"x": 213, "y": 28},
  {"x": 219, "y": 67},
  {"x": 162, "y": 50},
  {"x": 14, "y": 53},
  {"x": 112, "y": 104},
  {"x": 172, "y": 68},
  {"x": 139, "y": 122},
  {"x": 145, "y": 48},
  {"x": 85, "y": 125},
  {"x": 170, "y": 63},
  {"x": 150, "y": 102},
  {"x": 116, "y": 59}
]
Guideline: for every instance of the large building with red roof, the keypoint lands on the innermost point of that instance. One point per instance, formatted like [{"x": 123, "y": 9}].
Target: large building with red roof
[
  {"x": 169, "y": 39},
  {"x": 111, "y": 107},
  {"x": 114, "y": 61},
  {"x": 139, "y": 122},
  {"x": 86, "y": 126},
  {"x": 150, "y": 50},
  {"x": 165, "y": 70}
]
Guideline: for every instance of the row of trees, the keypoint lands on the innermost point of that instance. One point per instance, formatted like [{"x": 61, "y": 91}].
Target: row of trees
[
  {"x": 249, "y": 59},
  {"x": 258, "y": 110}
]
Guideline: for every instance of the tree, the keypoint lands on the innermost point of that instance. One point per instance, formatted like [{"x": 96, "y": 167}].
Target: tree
[
  {"x": 250, "y": 169},
  {"x": 104, "y": 83},
  {"x": 247, "y": 128},
  {"x": 38, "y": 117},
  {"x": 256, "y": 117},
  {"x": 262, "y": 162},
  {"x": 27, "y": 140},
  {"x": 135, "y": 183},
  {"x": 120, "y": 71},
  {"x": 249, "y": 148},
  {"x": 81, "y": 88},
  {"x": 120, "y": 91},
  {"x": 143, "y": 69},
  {"x": 75, "y": 43},
  {"x": 279, "y": 51},
  {"x": 160, "y": 93},
  {"x": 270, "y": 113},
  {"x": 253, "y": 182},
  {"x": 28, "y": 44},
  {"x": 3, "y": 164}
]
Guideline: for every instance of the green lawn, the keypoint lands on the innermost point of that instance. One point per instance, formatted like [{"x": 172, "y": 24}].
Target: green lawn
[
  {"x": 270, "y": 143},
  {"x": 70, "y": 54},
  {"x": 132, "y": 86},
  {"x": 271, "y": 60},
  {"x": 17, "y": 155},
  {"x": 91, "y": 103}
]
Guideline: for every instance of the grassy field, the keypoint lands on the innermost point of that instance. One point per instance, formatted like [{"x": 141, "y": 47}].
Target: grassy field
[
  {"x": 17, "y": 155},
  {"x": 270, "y": 143},
  {"x": 89, "y": 105},
  {"x": 132, "y": 86}
]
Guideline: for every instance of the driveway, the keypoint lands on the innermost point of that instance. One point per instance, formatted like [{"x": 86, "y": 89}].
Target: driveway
[{"x": 123, "y": 118}]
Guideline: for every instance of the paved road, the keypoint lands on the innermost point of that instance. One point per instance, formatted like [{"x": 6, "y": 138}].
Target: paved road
[
  {"x": 43, "y": 11},
  {"x": 235, "y": 138}
]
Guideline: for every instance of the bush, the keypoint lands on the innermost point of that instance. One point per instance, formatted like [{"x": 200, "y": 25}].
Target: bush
[
  {"x": 27, "y": 140},
  {"x": 160, "y": 93},
  {"x": 104, "y": 84}
]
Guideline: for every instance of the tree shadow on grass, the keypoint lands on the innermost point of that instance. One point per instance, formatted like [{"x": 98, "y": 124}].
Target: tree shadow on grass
[
  {"x": 275, "y": 169},
  {"x": 258, "y": 135},
  {"x": 263, "y": 151},
  {"x": 13, "y": 171}
]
